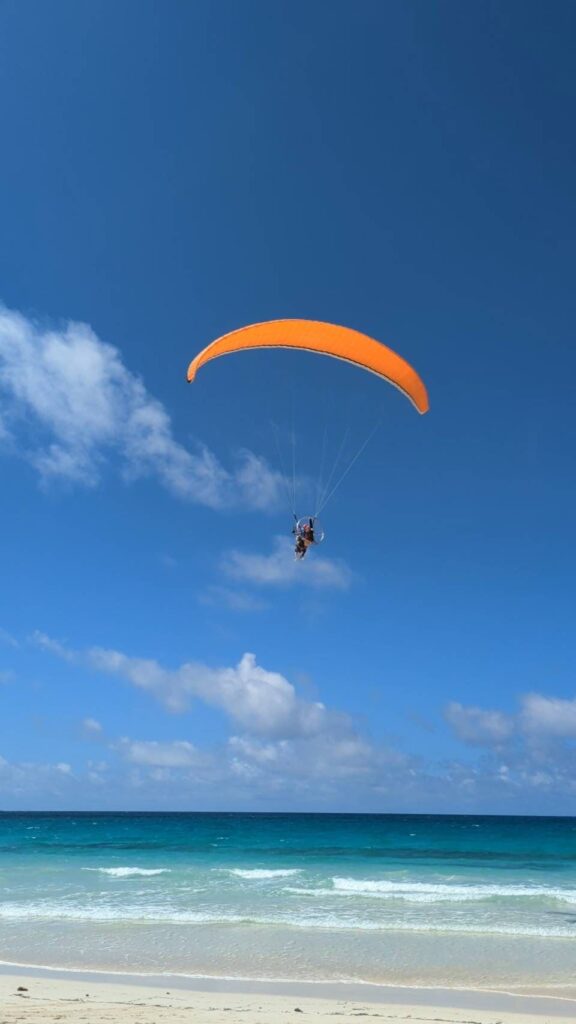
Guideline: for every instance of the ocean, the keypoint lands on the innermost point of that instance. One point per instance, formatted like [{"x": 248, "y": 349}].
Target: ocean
[{"x": 393, "y": 899}]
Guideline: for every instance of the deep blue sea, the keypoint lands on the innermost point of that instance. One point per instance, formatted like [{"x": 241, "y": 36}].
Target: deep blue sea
[{"x": 405, "y": 899}]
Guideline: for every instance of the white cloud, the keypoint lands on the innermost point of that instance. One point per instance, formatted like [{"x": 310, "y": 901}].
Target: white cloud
[
  {"x": 235, "y": 600},
  {"x": 46, "y": 643},
  {"x": 289, "y": 752},
  {"x": 281, "y": 569},
  {"x": 71, "y": 407},
  {"x": 4, "y": 432},
  {"x": 176, "y": 754},
  {"x": 23, "y": 780},
  {"x": 262, "y": 702},
  {"x": 312, "y": 760},
  {"x": 478, "y": 727},
  {"x": 92, "y": 726},
  {"x": 540, "y": 719},
  {"x": 7, "y": 639},
  {"x": 259, "y": 487},
  {"x": 548, "y": 717},
  {"x": 316, "y": 764}
]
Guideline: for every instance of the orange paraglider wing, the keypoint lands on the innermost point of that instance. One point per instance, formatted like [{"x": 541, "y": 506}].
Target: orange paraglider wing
[{"x": 326, "y": 339}]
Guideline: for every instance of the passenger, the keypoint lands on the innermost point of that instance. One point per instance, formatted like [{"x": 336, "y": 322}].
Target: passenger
[{"x": 300, "y": 548}]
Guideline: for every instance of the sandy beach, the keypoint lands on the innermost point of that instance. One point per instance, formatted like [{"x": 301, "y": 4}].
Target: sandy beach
[{"x": 43, "y": 996}]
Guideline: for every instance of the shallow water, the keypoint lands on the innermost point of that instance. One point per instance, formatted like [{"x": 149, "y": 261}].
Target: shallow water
[{"x": 409, "y": 899}]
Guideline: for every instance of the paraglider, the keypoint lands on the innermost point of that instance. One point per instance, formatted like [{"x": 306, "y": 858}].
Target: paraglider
[
  {"x": 334, "y": 341},
  {"x": 307, "y": 532}
]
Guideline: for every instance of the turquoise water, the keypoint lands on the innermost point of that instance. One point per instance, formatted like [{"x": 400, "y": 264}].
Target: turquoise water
[{"x": 414, "y": 899}]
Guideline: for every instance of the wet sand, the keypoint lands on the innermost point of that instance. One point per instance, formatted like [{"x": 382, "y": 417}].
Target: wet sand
[{"x": 35, "y": 995}]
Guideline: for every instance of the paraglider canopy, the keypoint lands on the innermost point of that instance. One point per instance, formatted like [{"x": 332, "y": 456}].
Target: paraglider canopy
[{"x": 325, "y": 339}]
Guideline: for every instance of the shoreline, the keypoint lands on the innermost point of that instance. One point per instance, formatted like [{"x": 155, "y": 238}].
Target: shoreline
[{"x": 72, "y": 993}]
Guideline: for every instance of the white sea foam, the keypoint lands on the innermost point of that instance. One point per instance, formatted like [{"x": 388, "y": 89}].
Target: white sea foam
[
  {"x": 129, "y": 872},
  {"x": 162, "y": 915},
  {"x": 434, "y": 891},
  {"x": 392, "y": 895},
  {"x": 258, "y": 874}
]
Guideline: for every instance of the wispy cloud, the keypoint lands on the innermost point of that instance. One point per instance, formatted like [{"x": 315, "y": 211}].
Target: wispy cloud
[
  {"x": 478, "y": 727},
  {"x": 234, "y": 600},
  {"x": 71, "y": 408},
  {"x": 92, "y": 727},
  {"x": 280, "y": 569},
  {"x": 47, "y": 643},
  {"x": 324, "y": 758},
  {"x": 7, "y": 640},
  {"x": 24, "y": 779},
  {"x": 175, "y": 754}
]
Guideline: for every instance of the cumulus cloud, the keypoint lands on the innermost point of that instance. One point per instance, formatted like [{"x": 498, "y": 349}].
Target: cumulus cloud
[
  {"x": 71, "y": 407},
  {"x": 261, "y": 701},
  {"x": 548, "y": 716},
  {"x": 311, "y": 765},
  {"x": 279, "y": 568},
  {"x": 282, "y": 743},
  {"x": 540, "y": 719}
]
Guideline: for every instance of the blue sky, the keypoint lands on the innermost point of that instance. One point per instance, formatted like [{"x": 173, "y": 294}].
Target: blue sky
[{"x": 173, "y": 171}]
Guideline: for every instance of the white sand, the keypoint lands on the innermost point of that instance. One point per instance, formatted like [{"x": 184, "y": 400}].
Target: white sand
[{"x": 85, "y": 999}]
